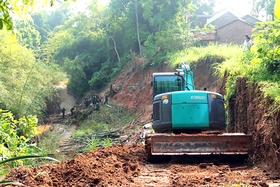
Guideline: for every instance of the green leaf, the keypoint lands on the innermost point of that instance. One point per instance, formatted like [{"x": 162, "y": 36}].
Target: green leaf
[
  {"x": 1, "y": 24},
  {"x": 11, "y": 182},
  {"x": 27, "y": 157}
]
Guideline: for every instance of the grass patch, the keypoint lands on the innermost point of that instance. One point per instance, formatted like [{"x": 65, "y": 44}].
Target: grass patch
[
  {"x": 196, "y": 54},
  {"x": 235, "y": 64},
  {"x": 106, "y": 119},
  {"x": 49, "y": 144},
  {"x": 93, "y": 143}
]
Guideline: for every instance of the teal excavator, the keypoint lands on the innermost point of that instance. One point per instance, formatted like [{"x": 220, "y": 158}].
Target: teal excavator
[{"x": 188, "y": 121}]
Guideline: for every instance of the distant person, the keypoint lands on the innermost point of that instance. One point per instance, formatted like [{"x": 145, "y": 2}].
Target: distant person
[
  {"x": 97, "y": 106},
  {"x": 247, "y": 44},
  {"x": 87, "y": 102},
  {"x": 72, "y": 110},
  {"x": 63, "y": 112},
  {"x": 93, "y": 99},
  {"x": 97, "y": 99},
  {"x": 106, "y": 99}
]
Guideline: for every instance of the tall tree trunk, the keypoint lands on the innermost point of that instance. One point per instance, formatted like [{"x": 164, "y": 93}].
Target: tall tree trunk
[
  {"x": 115, "y": 48},
  {"x": 137, "y": 26}
]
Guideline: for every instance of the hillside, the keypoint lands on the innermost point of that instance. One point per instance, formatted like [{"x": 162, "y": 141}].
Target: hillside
[
  {"x": 247, "y": 111},
  {"x": 134, "y": 90},
  {"x": 126, "y": 164}
]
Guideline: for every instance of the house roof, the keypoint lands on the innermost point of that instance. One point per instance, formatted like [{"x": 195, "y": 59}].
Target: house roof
[
  {"x": 205, "y": 36},
  {"x": 250, "y": 19},
  {"x": 221, "y": 13},
  {"x": 235, "y": 21}
]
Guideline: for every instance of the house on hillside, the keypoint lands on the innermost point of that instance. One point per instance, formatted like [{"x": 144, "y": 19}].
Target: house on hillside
[
  {"x": 230, "y": 26},
  {"x": 234, "y": 32},
  {"x": 223, "y": 17}
]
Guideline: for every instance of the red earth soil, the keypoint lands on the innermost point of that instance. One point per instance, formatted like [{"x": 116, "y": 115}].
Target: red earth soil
[{"x": 125, "y": 165}]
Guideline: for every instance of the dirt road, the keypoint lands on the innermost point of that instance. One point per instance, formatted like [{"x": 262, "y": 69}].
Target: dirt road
[
  {"x": 125, "y": 165},
  {"x": 66, "y": 100}
]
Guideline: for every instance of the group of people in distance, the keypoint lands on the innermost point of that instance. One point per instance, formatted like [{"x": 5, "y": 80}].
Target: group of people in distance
[
  {"x": 63, "y": 111},
  {"x": 94, "y": 101}
]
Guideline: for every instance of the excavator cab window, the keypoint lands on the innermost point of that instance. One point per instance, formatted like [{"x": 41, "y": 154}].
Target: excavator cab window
[{"x": 166, "y": 83}]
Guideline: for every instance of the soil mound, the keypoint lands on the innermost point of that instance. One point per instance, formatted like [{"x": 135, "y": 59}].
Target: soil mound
[
  {"x": 125, "y": 165},
  {"x": 111, "y": 166}
]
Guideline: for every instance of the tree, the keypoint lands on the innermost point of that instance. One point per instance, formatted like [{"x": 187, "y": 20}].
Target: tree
[
  {"x": 80, "y": 47},
  {"x": 28, "y": 35},
  {"x": 264, "y": 6},
  {"x": 25, "y": 84},
  {"x": 268, "y": 51},
  {"x": 204, "y": 7},
  {"x": 18, "y": 8},
  {"x": 137, "y": 26}
]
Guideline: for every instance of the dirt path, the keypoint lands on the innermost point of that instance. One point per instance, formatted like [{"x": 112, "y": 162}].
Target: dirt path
[
  {"x": 154, "y": 175},
  {"x": 66, "y": 100},
  {"x": 65, "y": 132},
  {"x": 65, "y": 127}
]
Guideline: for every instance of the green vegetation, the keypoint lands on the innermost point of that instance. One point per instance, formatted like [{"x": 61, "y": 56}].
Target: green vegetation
[
  {"x": 107, "y": 142},
  {"x": 95, "y": 130},
  {"x": 260, "y": 64},
  {"x": 15, "y": 138},
  {"x": 49, "y": 144},
  {"x": 106, "y": 119},
  {"x": 25, "y": 83},
  {"x": 15, "y": 135},
  {"x": 93, "y": 143}
]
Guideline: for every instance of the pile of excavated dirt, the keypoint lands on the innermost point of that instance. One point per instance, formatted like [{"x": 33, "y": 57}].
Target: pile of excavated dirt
[
  {"x": 125, "y": 165},
  {"x": 114, "y": 166}
]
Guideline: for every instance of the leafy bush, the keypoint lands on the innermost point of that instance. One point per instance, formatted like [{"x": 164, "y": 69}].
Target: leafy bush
[
  {"x": 267, "y": 47},
  {"x": 15, "y": 135}
]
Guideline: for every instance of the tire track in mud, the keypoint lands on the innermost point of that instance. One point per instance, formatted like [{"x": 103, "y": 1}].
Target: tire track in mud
[{"x": 154, "y": 175}]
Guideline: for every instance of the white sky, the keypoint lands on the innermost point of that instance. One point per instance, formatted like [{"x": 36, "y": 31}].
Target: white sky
[
  {"x": 104, "y": 1},
  {"x": 240, "y": 6}
]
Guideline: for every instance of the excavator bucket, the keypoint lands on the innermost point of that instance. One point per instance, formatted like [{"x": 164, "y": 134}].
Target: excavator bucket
[{"x": 199, "y": 144}]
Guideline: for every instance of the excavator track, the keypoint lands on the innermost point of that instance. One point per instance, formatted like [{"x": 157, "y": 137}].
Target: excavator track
[{"x": 150, "y": 156}]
